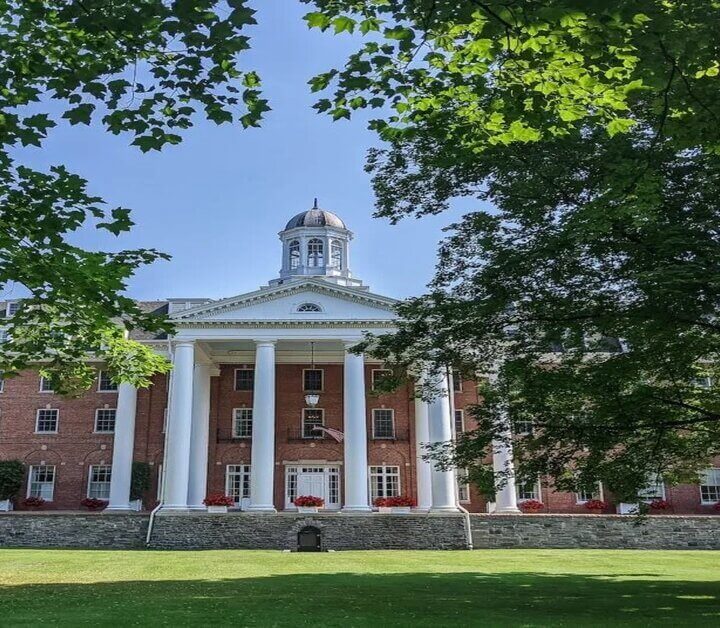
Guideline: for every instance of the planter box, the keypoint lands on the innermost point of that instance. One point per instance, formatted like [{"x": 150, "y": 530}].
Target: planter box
[
  {"x": 5, "y": 505},
  {"x": 217, "y": 509},
  {"x": 394, "y": 510},
  {"x": 308, "y": 510},
  {"x": 136, "y": 505},
  {"x": 628, "y": 509}
]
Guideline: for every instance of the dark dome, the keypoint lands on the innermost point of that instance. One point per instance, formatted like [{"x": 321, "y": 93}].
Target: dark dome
[{"x": 315, "y": 218}]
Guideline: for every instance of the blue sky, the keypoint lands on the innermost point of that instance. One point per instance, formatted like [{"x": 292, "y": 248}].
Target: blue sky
[{"x": 217, "y": 201}]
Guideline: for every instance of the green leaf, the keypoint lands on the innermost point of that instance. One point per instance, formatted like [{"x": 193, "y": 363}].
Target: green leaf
[{"x": 80, "y": 114}]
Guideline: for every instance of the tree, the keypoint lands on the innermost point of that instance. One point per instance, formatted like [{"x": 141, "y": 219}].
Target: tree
[
  {"x": 145, "y": 68},
  {"x": 591, "y": 283},
  {"x": 12, "y": 473}
]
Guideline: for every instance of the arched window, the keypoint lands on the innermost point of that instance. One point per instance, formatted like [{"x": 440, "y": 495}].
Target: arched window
[
  {"x": 336, "y": 254},
  {"x": 309, "y": 307},
  {"x": 294, "y": 251},
  {"x": 316, "y": 253}
]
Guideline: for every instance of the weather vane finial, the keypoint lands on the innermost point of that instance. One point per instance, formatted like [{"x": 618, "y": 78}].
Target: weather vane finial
[{"x": 315, "y": 205}]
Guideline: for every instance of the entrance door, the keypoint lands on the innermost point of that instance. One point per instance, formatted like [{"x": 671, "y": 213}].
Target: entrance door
[
  {"x": 312, "y": 484},
  {"x": 319, "y": 481}
]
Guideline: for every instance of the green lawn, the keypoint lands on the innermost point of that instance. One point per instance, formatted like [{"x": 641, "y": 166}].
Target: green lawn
[{"x": 376, "y": 589}]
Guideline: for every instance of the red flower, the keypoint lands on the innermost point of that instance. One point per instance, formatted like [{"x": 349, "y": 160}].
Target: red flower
[
  {"x": 34, "y": 502},
  {"x": 93, "y": 504},
  {"x": 659, "y": 504},
  {"x": 595, "y": 504},
  {"x": 218, "y": 499},
  {"x": 717, "y": 506},
  {"x": 394, "y": 502},
  {"x": 531, "y": 505},
  {"x": 309, "y": 501}
]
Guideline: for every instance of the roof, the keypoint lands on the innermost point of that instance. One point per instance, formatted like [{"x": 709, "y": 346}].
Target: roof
[{"x": 315, "y": 217}]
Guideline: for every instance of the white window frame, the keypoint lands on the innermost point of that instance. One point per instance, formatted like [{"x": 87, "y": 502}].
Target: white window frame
[
  {"x": 318, "y": 435},
  {"x": 2, "y": 382},
  {"x": 43, "y": 381},
  {"x": 374, "y": 376},
  {"x": 97, "y": 417},
  {"x": 390, "y": 478},
  {"x": 294, "y": 261},
  {"x": 30, "y": 481},
  {"x": 11, "y": 308},
  {"x": 37, "y": 420},
  {"x": 322, "y": 381},
  {"x": 525, "y": 431},
  {"x": 236, "y": 418},
  {"x": 704, "y": 477},
  {"x": 308, "y": 307},
  {"x": 463, "y": 486},
  {"x": 100, "y": 388},
  {"x": 336, "y": 254},
  {"x": 243, "y": 472},
  {"x": 654, "y": 481},
  {"x": 457, "y": 381},
  {"x": 461, "y": 413},
  {"x": 392, "y": 423},
  {"x": 107, "y": 468},
  {"x": 235, "y": 380},
  {"x": 537, "y": 493},
  {"x": 316, "y": 255},
  {"x": 599, "y": 493}
]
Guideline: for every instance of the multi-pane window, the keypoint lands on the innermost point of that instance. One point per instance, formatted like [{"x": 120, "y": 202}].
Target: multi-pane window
[
  {"x": 309, "y": 307},
  {"x": 4, "y": 335},
  {"x": 46, "y": 385},
  {"x": 585, "y": 495},
  {"x": 383, "y": 422},
  {"x": 237, "y": 481},
  {"x": 105, "y": 420},
  {"x": 316, "y": 253},
  {"x": 105, "y": 383},
  {"x": 384, "y": 481},
  {"x": 528, "y": 490},
  {"x": 459, "y": 421},
  {"x": 710, "y": 486},
  {"x": 336, "y": 254},
  {"x": 47, "y": 420},
  {"x": 312, "y": 380},
  {"x": 242, "y": 423},
  {"x": 99, "y": 482},
  {"x": 457, "y": 381},
  {"x": 294, "y": 252},
  {"x": 11, "y": 308},
  {"x": 244, "y": 379},
  {"x": 523, "y": 428},
  {"x": 378, "y": 375},
  {"x": 311, "y": 418},
  {"x": 463, "y": 485},
  {"x": 41, "y": 481},
  {"x": 654, "y": 489}
]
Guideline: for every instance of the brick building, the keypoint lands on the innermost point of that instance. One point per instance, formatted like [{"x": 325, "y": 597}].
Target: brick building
[{"x": 265, "y": 403}]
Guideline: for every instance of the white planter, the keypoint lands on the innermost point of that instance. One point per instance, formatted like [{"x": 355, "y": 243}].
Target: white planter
[
  {"x": 217, "y": 509},
  {"x": 628, "y": 509},
  {"x": 394, "y": 510},
  {"x": 308, "y": 510},
  {"x": 136, "y": 505},
  {"x": 5, "y": 505},
  {"x": 490, "y": 507}
]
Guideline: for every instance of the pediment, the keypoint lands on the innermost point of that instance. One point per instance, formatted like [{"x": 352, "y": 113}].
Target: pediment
[{"x": 282, "y": 303}]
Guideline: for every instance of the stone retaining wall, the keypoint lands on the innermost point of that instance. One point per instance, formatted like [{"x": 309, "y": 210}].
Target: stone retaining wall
[
  {"x": 595, "y": 531},
  {"x": 92, "y": 531},
  {"x": 338, "y": 531}
]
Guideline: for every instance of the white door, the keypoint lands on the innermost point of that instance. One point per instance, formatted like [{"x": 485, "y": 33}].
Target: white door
[{"x": 311, "y": 484}]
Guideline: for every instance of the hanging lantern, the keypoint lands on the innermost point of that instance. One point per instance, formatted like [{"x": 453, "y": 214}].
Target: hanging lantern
[{"x": 312, "y": 399}]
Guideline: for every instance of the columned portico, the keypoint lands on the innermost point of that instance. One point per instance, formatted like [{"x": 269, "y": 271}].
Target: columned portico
[
  {"x": 123, "y": 446},
  {"x": 355, "y": 442},
  {"x": 179, "y": 427},
  {"x": 199, "y": 439},
  {"x": 504, "y": 469},
  {"x": 443, "y": 482},
  {"x": 262, "y": 469},
  {"x": 423, "y": 467}
]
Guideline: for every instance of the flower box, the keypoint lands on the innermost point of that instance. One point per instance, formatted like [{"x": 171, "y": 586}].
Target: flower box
[
  {"x": 218, "y": 503},
  {"x": 308, "y": 504},
  {"x": 136, "y": 505},
  {"x": 217, "y": 509},
  {"x": 398, "y": 505},
  {"x": 627, "y": 508},
  {"x": 394, "y": 510},
  {"x": 308, "y": 510},
  {"x": 595, "y": 506},
  {"x": 532, "y": 506},
  {"x": 6, "y": 505}
]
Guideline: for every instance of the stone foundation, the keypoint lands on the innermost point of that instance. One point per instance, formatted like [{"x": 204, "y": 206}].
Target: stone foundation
[
  {"x": 595, "y": 532},
  {"x": 238, "y": 530}
]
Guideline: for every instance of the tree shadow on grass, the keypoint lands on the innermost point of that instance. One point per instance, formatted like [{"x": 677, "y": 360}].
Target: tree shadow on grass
[{"x": 380, "y": 600}]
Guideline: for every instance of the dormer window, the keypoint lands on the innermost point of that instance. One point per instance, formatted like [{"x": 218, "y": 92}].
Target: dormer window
[
  {"x": 316, "y": 253},
  {"x": 294, "y": 252},
  {"x": 309, "y": 307},
  {"x": 336, "y": 254}
]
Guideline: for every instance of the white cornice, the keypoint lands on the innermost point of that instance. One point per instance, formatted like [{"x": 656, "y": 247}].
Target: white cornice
[{"x": 282, "y": 324}]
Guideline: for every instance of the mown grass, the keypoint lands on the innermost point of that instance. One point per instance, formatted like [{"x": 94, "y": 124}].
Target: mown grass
[{"x": 261, "y": 588}]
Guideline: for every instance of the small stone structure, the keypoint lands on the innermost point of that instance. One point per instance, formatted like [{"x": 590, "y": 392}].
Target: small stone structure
[{"x": 595, "y": 531}]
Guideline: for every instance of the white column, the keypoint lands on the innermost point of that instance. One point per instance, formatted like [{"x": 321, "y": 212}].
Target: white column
[
  {"x": 355, "y": 442},
  {"x": 179, "y": 425},
  {"x": 123, "y": 446},
  {"x": 443, "y": 482},
  {"x": 262, "y": 463},
  {"x": 505, "y": 496},
  {"x": 423, "y": 469},
  {"x": 199, "y": 436}
]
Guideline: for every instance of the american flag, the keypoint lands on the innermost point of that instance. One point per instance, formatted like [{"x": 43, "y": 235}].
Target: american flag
[{"x": 336, "y": 434}]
